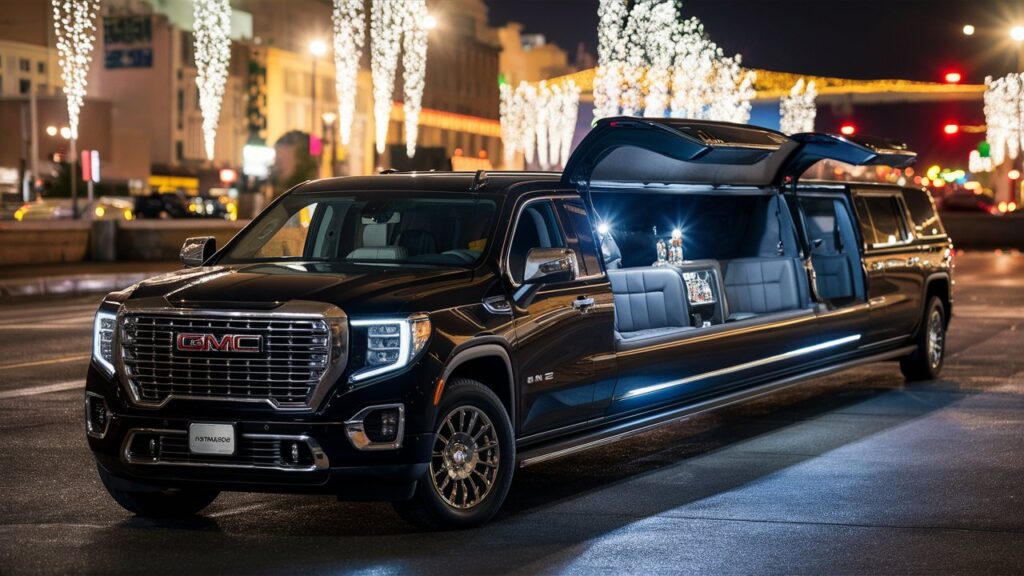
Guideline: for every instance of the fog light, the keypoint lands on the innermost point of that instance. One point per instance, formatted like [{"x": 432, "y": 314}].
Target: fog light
[
  {"x": 97, "y": 415},
  {"x": 377, "y": 427}
]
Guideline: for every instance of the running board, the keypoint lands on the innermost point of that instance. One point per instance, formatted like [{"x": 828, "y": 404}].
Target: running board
[{"x": 623, "y": 430}]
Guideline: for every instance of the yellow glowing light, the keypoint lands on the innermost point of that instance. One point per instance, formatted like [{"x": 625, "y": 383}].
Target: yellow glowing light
[
  {"x": 128, "y": 215},
  {"x": 1011, "y": 206},
  {"x": 65, "y": 133},
  {"x": 100, "y": 211},
  {"x": 933, "y": 171},
  {"x": 1003, "y": 207},
  {"x": 51, "y": 130},
  {"x": 1017, "y": 33},
  {"x": 430, "y": 22},
  {"x": 318, "y": 48},
  {"x": 19, "y": 214}
]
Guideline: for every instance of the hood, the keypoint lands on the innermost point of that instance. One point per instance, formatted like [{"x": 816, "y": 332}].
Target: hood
[{"x": 355, "y": 288}]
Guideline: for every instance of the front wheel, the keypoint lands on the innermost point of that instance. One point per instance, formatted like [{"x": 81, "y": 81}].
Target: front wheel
[
  {"x": 171, "y": 503},
  {"x": 471, "y": 462},
  {"x": 925, "y": 363}
]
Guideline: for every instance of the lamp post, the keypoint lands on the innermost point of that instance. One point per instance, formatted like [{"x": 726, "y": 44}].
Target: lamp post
[
  {"x": 317, "y": 48},
  {"x": 330, "y": 141}
]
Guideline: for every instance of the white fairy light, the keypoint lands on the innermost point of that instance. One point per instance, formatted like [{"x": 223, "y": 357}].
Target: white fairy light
[
  {"x": 212, "y": 31},
  {"x": 1004, "y": 110},
  {"x": 414, "y": 68},
  {"x": 797, "y": 110},
  {"x": 652, "y": 61},
  {"x": 396, "y": 25},
  {"x": 539, "y": 121},
  {"x": 349, "y": 36},
  {"x": 610, "y": 48},
  {"x": 74, "y": 23}
]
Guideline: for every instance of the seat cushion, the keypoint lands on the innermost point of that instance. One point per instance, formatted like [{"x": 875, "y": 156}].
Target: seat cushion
[
  {"x": 648, "y": 299},
  {"x": 378, "y": 253},
  {"x": 762, "y": 285}
]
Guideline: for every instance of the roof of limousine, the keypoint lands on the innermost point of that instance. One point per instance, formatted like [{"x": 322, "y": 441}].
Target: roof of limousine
[{"x": 483, "y": 181}]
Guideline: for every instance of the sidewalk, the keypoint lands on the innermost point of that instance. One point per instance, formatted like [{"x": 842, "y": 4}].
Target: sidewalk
[{"x": 76, "y": 278}]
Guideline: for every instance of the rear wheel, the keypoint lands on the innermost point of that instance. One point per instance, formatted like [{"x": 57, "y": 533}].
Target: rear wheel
[
  {"x": 925, "y": 363},
  {"x": 170, "y": 503},
  {"x": 471, "y": 463}
]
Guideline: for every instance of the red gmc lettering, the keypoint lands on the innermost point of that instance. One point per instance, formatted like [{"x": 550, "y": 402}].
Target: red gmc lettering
[{"x": 187, "y": 342}]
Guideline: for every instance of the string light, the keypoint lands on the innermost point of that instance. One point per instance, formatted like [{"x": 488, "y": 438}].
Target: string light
[
  {"x": 212, "y": 53},
  {"x": 349, "y": 34},
  {"x": 74, "y": 23},
  {"x": 414, "y": 67},
  {"x": 396, "y": 25},
  {"x": 1004, "y": 110},
  {"x": 651, "y": 60},
  {"x": 539, "y": 121},
  {"x": 797, "y": 111}
]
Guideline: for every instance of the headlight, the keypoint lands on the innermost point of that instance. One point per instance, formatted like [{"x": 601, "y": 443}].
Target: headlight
[
  {"x": 103, "y": 340},
  {"x": 392, "y": 344}
]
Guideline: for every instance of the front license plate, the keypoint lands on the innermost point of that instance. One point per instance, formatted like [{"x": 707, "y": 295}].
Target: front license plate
[{"x": 204, "y": 438}]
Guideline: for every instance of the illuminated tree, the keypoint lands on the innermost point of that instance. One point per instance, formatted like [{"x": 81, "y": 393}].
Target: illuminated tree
[
  {"x": 1004, "y": 109},
  {"x": 396, "y": 25},
  {"x": 610, "y": 49},
  {"x": 349, "y": 36},
  {"x": 539, "y": 121},
  {"x": 414, "y": 68},
  {"x": 74, "y": 23},
  {"x": 797, "y": 110},
  {"x": 212, "y": 31}
]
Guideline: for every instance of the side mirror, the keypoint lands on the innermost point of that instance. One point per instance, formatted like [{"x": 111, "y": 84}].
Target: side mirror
[
  {"x": 550, "y": 265},
  {"x": 195, "y": 251}
]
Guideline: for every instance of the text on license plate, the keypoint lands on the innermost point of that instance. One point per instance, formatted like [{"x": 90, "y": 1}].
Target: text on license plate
[{"x": 204, "y": 438}]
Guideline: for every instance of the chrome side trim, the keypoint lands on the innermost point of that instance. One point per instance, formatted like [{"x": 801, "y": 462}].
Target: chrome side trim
[
  {"x": 740, "y": 367},
  {"x": 320, "y": 461},
  {"x": 628, "y": 429},
  {"x": 356, "y": 432}
]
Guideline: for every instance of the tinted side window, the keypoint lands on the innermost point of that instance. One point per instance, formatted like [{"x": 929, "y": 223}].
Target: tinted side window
[
  {"x": 867, "y": 229},
  {"x": 886, "y": 218},
  {"x": 922, "y": 212},
  {"x": 822, "y": 225},
  {"x": 581, "y": 233},
  {"x": 537, "y": 227}
]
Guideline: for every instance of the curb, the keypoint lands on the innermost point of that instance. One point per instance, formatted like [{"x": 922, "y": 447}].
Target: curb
[{"x": 71, "y": 285}]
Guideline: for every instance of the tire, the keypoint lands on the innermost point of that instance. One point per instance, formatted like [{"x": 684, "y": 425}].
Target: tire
[
  {"x": 925, "y": 363},
  {"x": 473, "y": 443},
  {"x": 171, "y": 503}
]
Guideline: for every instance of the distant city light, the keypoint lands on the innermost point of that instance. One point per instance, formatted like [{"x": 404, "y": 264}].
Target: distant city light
[
  {"x": 951, "y": 129},
  {"x": 1014, "y": 174},
  {"x": 65, "y": 132},
  {"x": 51, "y": 130},
  {"x": 318, "y": 48},
  {"x": 953, "y": 77},
  {"x": 847, "y": 129},
  {"x": 968, "y": 30},
  {"x": 430, "y": 22},
  {"x": 1017, "y": 33}
]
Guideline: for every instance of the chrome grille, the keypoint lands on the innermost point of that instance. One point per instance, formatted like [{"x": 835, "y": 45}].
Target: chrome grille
[
  {"x": 295, "y": 357},
  {"x": 266, "y": 451}
]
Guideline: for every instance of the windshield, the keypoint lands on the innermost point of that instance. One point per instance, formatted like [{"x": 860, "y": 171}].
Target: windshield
[{"x": 439, "y": 229}]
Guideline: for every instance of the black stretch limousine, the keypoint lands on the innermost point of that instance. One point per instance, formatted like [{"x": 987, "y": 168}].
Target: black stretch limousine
[{"x": 417, "y": 337}]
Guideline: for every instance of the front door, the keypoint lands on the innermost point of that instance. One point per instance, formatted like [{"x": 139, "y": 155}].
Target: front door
[{"x": 565, "y": 333}]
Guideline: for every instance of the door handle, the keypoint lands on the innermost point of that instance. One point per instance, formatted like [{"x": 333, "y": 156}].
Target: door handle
[{"x": 583, "y": 303}]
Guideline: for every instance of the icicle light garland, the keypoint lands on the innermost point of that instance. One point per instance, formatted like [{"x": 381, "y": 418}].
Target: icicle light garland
[
  {"x": 349, "y": 36},
  {"x": 212, "y": 28},
  {"x": 653, "y": 62},
  {"x": 1004, "y": 111},
  {"x": 797, "y": 111},
  {"x": 539, "y": 121},
  {"x": 74, "y": 23},
  {"x": 397, "y": 26}
]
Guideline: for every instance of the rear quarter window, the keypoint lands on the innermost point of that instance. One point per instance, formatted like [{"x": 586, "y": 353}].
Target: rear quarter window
[{"x": 923, "y": 216}]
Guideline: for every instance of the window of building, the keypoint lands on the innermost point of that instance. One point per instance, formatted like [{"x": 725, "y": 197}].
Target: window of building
[
  {"x": 179, "y": 150},
  {"x": 24, "y": 86},
  {"x": 41, "y": 67},
  {"x": 24, "y": 65}
]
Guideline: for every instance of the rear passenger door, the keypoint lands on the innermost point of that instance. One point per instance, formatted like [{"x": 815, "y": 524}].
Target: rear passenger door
[
  {"x": 895, "y": 285},
  {"x": 565, "y": 335}
]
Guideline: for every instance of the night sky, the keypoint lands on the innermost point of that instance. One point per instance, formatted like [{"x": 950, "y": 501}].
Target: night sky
[{"x": 866, "y": 39}]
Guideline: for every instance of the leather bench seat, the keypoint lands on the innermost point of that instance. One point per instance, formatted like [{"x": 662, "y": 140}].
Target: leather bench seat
[
  {"x": 650, "y": 304},
  {"x": 756, "y": 286}
]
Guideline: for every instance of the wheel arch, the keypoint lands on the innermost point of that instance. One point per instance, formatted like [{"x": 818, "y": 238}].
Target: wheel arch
[
  {"x": 487, "y": 362},
  {"x": 939, "y": 284}
]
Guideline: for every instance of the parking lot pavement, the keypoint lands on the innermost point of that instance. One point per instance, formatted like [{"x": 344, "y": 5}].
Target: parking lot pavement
[{"x": 855, "y": 473}]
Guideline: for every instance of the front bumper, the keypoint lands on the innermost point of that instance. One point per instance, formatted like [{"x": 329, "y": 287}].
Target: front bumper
[{"x": 340, "y": 468}]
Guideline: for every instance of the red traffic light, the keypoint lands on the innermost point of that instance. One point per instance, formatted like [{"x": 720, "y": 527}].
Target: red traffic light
[
  {"x": 847, "y": 129},
  {"x": 953, "y": 77},
  {"x": 951, "y": 129}
]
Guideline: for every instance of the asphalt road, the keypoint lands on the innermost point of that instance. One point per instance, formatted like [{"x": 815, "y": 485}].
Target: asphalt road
[{"x": 855, "y": 473}]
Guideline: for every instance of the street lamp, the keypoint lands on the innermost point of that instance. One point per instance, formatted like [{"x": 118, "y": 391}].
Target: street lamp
[
  {"x": 430, "y": 22},
  {"x": 1017, "y": 33},
  {"x": 968, "y": 30},
  {"x": 318, "y": 49}
]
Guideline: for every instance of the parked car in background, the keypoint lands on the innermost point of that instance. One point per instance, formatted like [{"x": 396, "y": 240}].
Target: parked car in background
[
  {"x": 418, "y": 337},
  {"x": 967, "y": 201},
  {"x": 102, "y": 208}
]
